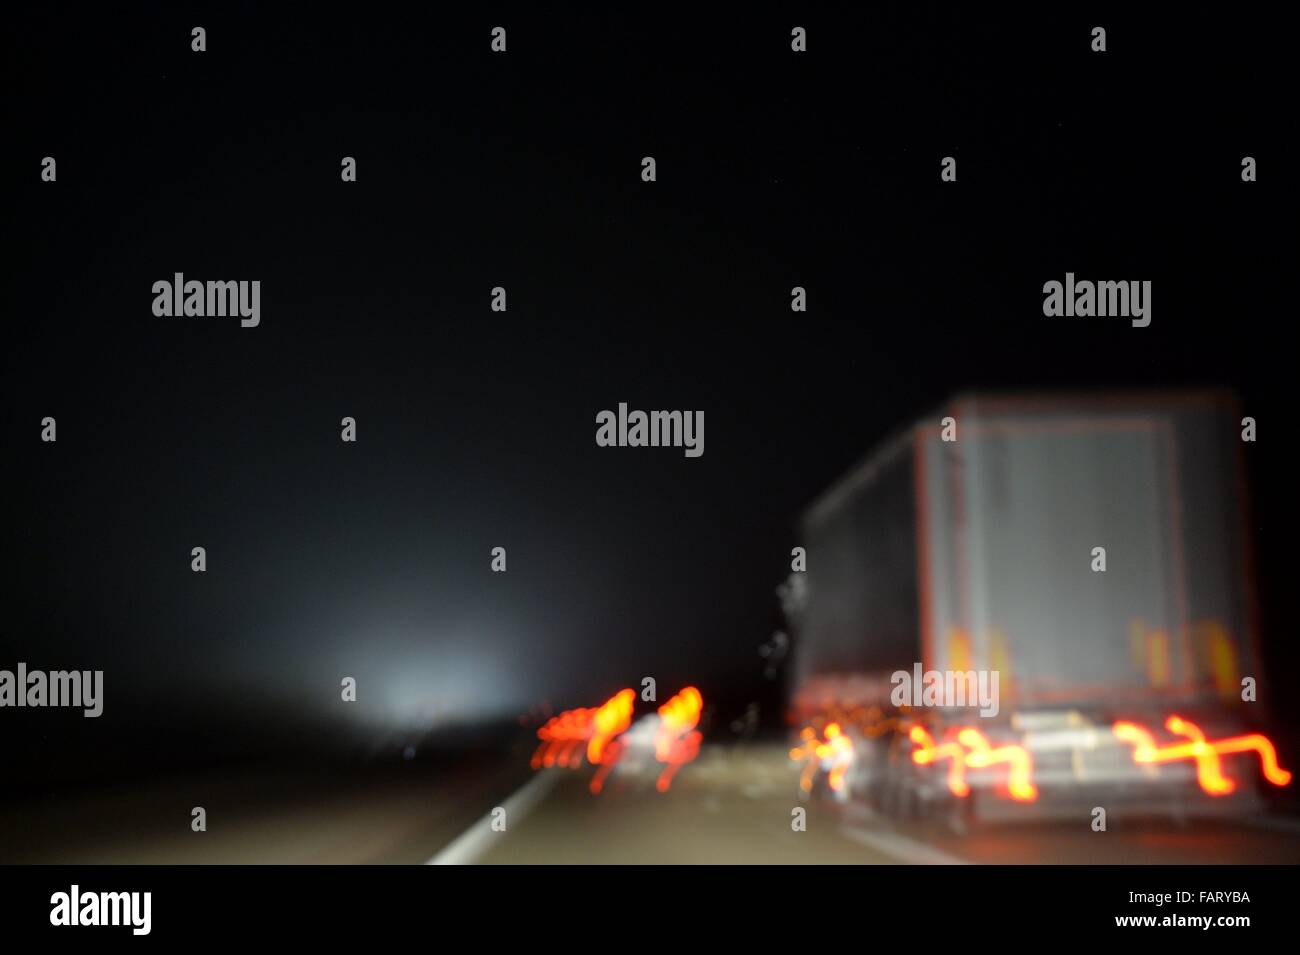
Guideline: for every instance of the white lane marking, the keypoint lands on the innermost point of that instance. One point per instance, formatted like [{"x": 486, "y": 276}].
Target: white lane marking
[
  {"x": 901, "y": 847},
  {"x": 471, "y": 844}
]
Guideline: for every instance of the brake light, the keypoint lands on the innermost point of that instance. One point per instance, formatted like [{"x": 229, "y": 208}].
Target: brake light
[
  {"x": 1206, "y": 753},
  {"x": 562, "y": 736},
  {"x": 806, "y": 753},
  {"x": 972, "y": 750},
  {"x": 612, "y": 718},
  {"x": 927, "y": 752},
  {"x": 1020, "y": 768},
  {"x": 838, "y": 752},
  {"x": 833, "y": 751},
  {"x": 677, "y": 741}
]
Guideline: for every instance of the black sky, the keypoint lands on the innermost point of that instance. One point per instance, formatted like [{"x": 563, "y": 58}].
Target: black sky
[{"x": 476, "y": 428}]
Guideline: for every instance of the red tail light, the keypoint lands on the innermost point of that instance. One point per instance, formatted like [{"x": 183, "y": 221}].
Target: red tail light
[
  {"x": 563, "y": 736},
  {"x": 678, "y": 741},
  {"x": 1206, "y": 753},
  {"x": 972, "y": 750}
]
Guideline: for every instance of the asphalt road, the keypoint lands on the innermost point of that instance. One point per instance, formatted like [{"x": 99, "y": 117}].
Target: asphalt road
[
  {"x": 732, "y": 805},
  {"x": 388, "y": 814}
]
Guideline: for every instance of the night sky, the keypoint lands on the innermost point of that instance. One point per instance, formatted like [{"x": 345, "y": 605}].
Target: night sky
[{"x": 476, "y": 429}]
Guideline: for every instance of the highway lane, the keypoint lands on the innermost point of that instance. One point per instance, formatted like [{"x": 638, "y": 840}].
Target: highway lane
[{"x": 733, "y": 804}]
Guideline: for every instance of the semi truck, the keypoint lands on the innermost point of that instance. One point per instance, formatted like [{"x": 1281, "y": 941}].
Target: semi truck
[{"x": 1086, "y": 557}]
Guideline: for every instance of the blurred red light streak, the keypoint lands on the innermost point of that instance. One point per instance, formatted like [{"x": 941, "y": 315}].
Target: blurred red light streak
[
  {"x": 1206, "y": 753},
  {"x": 677, "y": 741}
]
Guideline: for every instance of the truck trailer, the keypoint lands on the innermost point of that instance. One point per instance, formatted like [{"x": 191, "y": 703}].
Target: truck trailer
[{"x": 1085, "y": 557}]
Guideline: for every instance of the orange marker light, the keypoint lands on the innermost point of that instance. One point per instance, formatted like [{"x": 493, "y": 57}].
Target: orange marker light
[
  {"x": 604, "y": 749},
  {"x": 837, "y": 753},
  {"x": 1021, "y": 767},
  {"x": 806, "y": 752},
  {"x": 611, "y": 719},
  {"x": 677, "y": 741},
  {"x": 590, "y": 730},
  {"x": 927, "y": 752},
  {"x": 1208, "y": 766},
  {"x": 972, "y": 751},
  {"x": 832, "y": 752}
]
